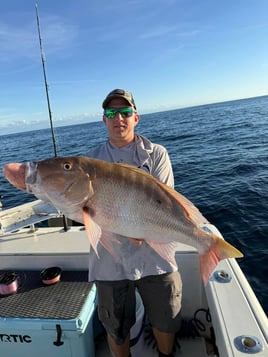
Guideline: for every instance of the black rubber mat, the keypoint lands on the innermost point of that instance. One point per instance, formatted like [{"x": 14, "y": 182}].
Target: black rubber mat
[{"x": 63, "y": 300}]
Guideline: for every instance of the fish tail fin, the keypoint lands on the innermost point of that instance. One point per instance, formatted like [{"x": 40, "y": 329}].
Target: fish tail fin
[{"x": 218, "y": 251}]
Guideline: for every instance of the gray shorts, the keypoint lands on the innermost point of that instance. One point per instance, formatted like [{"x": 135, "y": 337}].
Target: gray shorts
[{"x": 161, "y": 296}]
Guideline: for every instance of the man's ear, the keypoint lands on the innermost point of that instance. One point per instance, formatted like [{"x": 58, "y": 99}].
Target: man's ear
[{"x": 137, "y": 118}]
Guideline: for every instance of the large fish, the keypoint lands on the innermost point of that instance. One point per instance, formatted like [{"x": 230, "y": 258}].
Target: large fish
[{"x": 121, "y": 199}]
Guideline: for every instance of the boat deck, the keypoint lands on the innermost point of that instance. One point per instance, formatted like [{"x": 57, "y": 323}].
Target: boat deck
[
  {"x": 188, "y": 348},
  {"x": 237, "y": 323}
]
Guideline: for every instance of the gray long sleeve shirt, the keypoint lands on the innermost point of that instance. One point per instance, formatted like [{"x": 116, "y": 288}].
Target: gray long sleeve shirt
[{"x": 133, "y": 262}]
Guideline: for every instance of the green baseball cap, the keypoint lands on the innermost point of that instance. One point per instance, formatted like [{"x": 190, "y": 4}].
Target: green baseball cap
[{"x": 119, "y": 93}]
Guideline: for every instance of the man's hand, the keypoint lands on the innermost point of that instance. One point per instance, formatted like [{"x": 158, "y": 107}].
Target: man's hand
[{"x": 136, "y": 241}]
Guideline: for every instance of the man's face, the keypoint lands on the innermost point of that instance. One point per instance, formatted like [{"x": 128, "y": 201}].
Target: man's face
[{"x": 121, "y": 130}]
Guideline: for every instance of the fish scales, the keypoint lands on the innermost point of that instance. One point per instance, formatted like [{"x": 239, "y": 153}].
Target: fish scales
[{"x": 141, "y": 207}]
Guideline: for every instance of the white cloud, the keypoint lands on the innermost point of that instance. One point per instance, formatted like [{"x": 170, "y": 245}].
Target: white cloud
[{"x": 22, "y": 41}]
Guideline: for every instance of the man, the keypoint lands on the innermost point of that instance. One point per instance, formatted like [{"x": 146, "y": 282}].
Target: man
[{"x": 139, "y": 266}]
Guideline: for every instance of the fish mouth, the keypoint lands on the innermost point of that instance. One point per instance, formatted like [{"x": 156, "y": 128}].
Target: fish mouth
[{"x": 15, "y": 174}]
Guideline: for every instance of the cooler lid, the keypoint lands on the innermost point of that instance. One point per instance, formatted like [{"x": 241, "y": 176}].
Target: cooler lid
[{"x": 69, "y": 301}]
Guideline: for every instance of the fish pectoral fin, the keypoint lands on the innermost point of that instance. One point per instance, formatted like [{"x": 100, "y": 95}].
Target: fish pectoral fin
[
  {"x": 93, "y": 230},
  {"x": 107, "y": 239},
  {"x": 165, "y": 250},
  {"x": 218, "y": 251}
]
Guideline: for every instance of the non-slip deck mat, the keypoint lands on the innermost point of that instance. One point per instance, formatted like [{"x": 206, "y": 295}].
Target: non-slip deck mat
[{"x": 63, "y": 300}]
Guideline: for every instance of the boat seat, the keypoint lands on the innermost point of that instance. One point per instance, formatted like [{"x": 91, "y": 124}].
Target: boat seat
[{"x": 26, "y": 215}]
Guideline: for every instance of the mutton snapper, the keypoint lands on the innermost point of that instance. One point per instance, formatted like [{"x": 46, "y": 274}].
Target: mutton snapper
[{"x": 121, "y": 199}]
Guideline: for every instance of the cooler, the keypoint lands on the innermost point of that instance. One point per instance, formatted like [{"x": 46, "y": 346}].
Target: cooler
[{"x": 54, "y": 320}]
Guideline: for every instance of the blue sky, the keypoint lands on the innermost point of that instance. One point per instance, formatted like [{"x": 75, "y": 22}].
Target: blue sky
[{"x": 169, "y": 53}]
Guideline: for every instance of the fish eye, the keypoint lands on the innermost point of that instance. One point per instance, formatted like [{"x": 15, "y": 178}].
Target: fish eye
[{"x": 67, "y": 166}]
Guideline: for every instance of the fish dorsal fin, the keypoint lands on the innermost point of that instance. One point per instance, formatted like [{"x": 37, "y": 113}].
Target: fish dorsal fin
[{"x": 191, "y": 211}]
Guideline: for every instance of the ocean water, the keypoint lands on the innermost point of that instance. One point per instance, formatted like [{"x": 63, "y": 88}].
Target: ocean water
[{"x": 219, "y": 154}]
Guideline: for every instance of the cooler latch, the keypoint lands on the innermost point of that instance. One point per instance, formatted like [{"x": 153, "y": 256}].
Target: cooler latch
[{"x": 58, "y": 342}]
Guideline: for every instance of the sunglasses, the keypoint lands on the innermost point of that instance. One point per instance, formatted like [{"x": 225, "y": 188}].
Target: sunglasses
[{"x": 125, "y": 112}]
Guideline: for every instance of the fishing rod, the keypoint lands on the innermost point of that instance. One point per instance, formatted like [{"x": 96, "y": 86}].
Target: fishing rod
[
  {"x": 65, "y": 224},
  {"x": 46, "y": 85}
]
